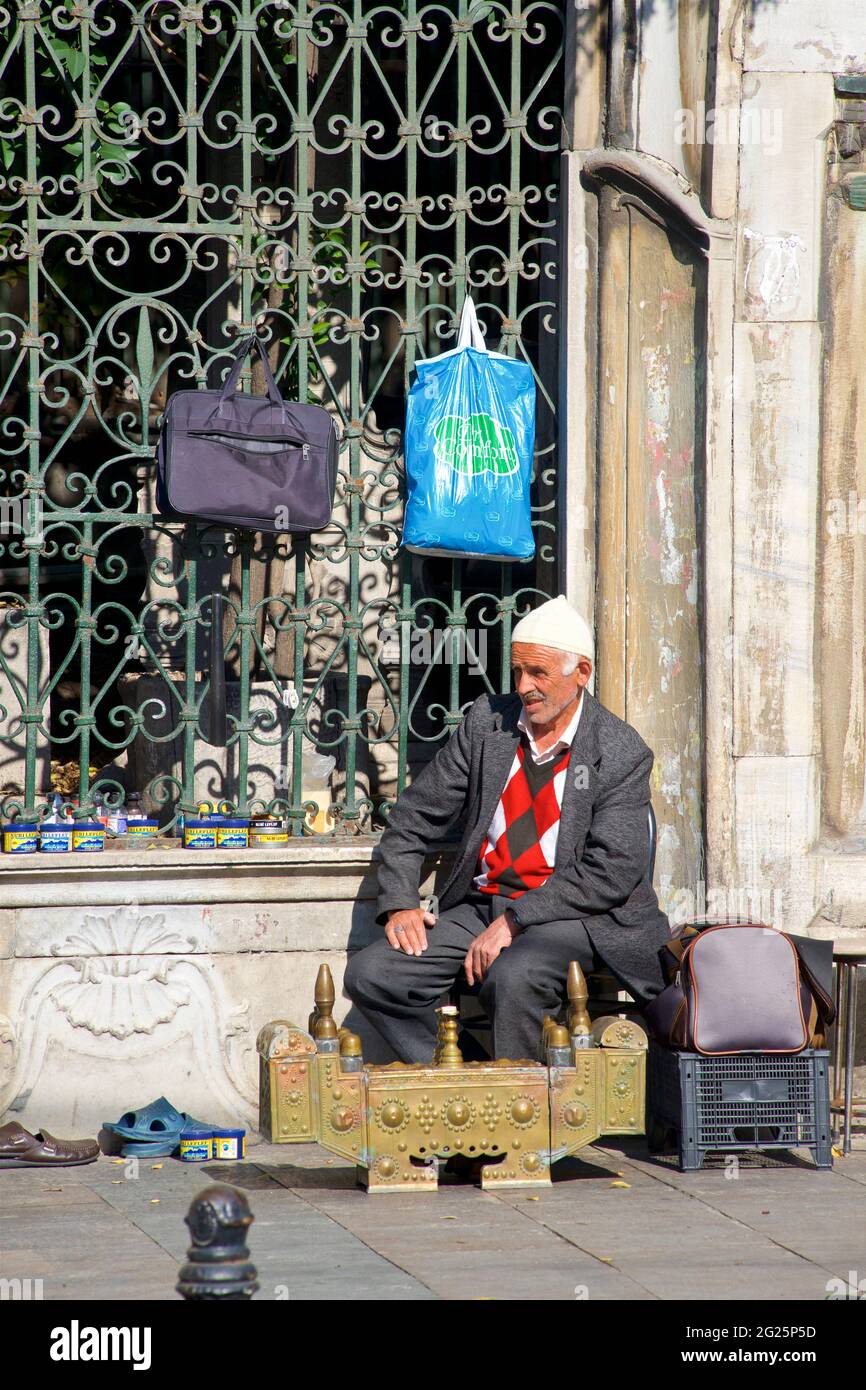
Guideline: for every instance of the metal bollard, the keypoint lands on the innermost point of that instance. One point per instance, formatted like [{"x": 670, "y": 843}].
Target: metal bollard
[{"x": 218, "y": 1259}]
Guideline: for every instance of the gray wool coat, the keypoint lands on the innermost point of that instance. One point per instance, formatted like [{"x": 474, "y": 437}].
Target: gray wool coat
[{"x": 602, "y": 850}]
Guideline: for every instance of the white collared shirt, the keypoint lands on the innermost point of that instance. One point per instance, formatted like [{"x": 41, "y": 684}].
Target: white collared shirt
[{"x": 565, "y": 740}]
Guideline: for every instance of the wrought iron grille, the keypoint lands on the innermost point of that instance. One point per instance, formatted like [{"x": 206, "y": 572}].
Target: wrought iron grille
[{"x": 335, "y": 177}]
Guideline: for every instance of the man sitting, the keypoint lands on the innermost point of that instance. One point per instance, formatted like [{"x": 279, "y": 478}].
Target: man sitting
[{"x": 553, "y": 791}]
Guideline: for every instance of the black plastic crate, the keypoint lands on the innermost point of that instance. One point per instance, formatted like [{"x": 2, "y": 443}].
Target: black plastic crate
[{"x": 753, "y": 1100}]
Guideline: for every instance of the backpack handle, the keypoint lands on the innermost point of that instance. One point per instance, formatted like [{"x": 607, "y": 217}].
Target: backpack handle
[{"x": 244, "y": 348}]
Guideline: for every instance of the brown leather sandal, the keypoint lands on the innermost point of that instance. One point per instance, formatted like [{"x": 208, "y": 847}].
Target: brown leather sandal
[{"x": 21, "y": 1149}]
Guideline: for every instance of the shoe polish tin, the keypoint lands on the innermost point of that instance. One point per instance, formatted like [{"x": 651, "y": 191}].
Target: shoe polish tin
[
  {"x": 19, "y": 838},
  {"x": 199, "y": 834},
  {"x": 55, "y": 839},
  {"x": 197, "y": 1149},
  {"x": 137, "y": 829},
  {"x": 88, "y": 837},
  {"x": 229, "y": 1143},
  {"x": 233, "y": 834},
  {"x": 268, "y": 830}
]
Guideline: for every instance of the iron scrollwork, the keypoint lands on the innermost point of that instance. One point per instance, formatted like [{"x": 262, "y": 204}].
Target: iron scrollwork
[{"x": 336, "y": 177}]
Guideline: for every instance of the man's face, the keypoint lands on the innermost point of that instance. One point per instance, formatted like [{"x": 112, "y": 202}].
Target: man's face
[{"x": 539, "y": 681}]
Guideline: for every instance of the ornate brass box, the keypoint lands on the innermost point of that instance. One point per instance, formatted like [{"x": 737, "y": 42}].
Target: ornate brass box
[{"x": 398, "y": 1122}]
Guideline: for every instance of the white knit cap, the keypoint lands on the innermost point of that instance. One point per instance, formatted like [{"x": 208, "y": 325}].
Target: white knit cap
[{"x": 555, "y": 624}]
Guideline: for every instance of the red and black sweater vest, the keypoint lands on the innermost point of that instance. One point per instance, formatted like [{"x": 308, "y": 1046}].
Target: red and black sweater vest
[{"x": 519, "y": 850}]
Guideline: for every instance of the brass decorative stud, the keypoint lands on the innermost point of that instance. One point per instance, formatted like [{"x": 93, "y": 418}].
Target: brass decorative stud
[
  {"x": 522, "y": 1111},
  {"x": 392, "y": 1115},
  {"x": 458, "y": 1114},
  {"x": 575, "y": 1116}
]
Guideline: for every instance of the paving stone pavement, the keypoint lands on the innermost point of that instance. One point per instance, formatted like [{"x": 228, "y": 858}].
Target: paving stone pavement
[{"x": 778, "y": 1230}]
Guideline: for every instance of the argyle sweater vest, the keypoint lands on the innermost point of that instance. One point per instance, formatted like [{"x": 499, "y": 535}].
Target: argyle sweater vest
[{"x": 519, "y": 850}]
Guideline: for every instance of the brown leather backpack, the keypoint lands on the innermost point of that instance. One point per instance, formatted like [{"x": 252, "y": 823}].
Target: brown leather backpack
[{"x": 743, "y": 987}]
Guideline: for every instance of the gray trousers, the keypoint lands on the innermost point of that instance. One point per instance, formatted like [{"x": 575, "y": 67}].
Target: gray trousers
[{"x": 398, "y": 993}]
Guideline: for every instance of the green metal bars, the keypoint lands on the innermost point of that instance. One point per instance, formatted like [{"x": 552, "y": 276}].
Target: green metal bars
[{"x": 335, "y": 176}]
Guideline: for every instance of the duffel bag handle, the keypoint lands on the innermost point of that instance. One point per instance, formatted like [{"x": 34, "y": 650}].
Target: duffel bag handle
[{"x": 244, "y": 348}]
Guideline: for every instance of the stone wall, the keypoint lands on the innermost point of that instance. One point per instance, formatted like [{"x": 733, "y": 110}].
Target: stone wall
[
  {"x": 751, "y": 135},
  {"x": 142, "y": 973}
]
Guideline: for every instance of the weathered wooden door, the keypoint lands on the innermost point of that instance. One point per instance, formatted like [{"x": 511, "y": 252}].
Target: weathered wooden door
[{"x": 649, "y": 601}]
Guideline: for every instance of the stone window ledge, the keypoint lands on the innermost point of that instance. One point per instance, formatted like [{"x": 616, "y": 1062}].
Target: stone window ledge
[
  {"x": 302, "y": 851},
  {"x": 345, "y": 869}
]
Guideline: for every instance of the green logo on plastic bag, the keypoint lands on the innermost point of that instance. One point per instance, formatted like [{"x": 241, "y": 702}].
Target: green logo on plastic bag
[{"x": 478, "y": 444}]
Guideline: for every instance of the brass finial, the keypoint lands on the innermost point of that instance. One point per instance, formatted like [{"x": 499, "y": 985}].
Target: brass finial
[
  {"x": 448, "y": 1052},
  {"x": 324, "y": 995},
  {"x": 579, "y": 1024},
  {"x": 557, "y": 1036},
  {"x": 350, "y": 1044}
]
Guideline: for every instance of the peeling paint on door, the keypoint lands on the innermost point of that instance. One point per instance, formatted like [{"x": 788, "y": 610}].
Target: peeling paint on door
[{"x": 649, "y": 585}]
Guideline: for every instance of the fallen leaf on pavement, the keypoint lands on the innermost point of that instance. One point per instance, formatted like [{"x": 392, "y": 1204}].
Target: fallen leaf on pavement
[{"x": 620, "y": 1184}]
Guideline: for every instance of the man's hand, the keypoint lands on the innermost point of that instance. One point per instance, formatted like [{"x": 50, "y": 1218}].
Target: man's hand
[
  {"x": 486, "y": 947},
  {"x": 406, "y": 930}
]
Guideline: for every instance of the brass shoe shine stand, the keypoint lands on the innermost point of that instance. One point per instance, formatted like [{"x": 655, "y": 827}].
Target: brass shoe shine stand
[{"x": 398, "y": 1122}]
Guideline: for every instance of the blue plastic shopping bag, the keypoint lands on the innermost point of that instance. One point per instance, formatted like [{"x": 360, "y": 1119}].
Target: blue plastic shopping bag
[{"x": 470, "y": 433}]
